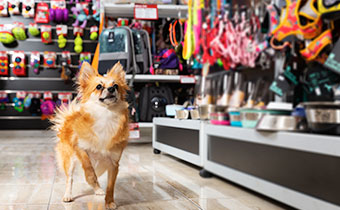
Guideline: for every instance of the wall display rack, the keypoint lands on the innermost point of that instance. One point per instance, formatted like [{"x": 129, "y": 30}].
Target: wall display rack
[
  {"x": 127, "y": 10},
  {"x": 113, "y": 10},
  {"x": 48, "y": 79}
]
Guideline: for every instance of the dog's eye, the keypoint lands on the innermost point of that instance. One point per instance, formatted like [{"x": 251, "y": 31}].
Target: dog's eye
[
  {"x": 115, "y": 86},
  {"x": 99, "y": 87}
]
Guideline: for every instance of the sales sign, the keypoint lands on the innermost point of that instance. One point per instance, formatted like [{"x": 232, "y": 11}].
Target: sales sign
[{"x": 146, "y": 12}]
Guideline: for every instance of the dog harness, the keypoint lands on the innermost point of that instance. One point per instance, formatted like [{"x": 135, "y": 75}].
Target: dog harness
[
  {"x": 329, "y": 9},
  {"x": 290, "y": 23},
  {"x": 308, "y": 10},
  {"x": 317, "y": 45}
]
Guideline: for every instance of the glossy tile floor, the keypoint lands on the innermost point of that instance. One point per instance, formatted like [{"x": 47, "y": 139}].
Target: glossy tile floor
[{"x": 29, "y": 180}]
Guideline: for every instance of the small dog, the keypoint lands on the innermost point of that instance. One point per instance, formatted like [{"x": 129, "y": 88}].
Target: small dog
[{"x": 94, "y": 130}]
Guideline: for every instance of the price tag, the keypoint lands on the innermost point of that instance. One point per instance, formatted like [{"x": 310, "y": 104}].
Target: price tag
[
  {"x": 3, "y": 95},
  {"x": 21, "y": 94},
  {"x": 146, "y": 12},
  {"x": 61, "y": 30},
  {"x": 187, "y": 80},
  {"x": 48, "y": 95},
  {"x": 37, "y": 95},
  {"x": 134, "y": 131}
]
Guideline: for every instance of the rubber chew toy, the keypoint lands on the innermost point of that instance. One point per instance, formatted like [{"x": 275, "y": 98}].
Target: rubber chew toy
[
  {"x": 59, "y": 12},
  {"x": 13, "y": 7},
  {"x": 34, "y": 109},
  {"x": 46, "y": 34},
  {"x": 50, "y": 59},
  {"x": 81, "y": 14},
  {"x": 65, "y": 62},
  {"x": 48, "y": 106},
  {"x": 18, "y": 62},
  {"x": 19, "y": 101},
  {"x": 84, "y": 57},
  {"x": 62, "y": 33},
  {"x": 35, "y": 61},
  {"x": 96, "y": 10},
  {"x": 19, "y": 31},
  {"x": 28, "y": 8},
  {"x": 78, "y": 44},
  {"x": 64, "y": 99},
  {"x": 27, "y": 101},
  {"x": 33, "y": 29},
  {"x": 3, "y": 8},
  {"x": 94, "y": 32},
  {"x": 3, "y": 100},
  {"x": 78, "y": 41},
  {"x": 6, "y": 36},
  {"x": 3, "y": 63}
]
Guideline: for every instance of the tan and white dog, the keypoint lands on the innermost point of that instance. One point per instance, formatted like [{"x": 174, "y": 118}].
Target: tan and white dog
[{"x": 94, "y": 130}]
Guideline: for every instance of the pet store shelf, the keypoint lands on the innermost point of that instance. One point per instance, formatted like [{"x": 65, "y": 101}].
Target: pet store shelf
[
  {"x": 127, "y": 10},
  {"x": 163, "y": 78},
  {"x": 280, "y": 165},
  {"x": 40, "y": 91},
  {"x": 177, "y": 123},
  {"x": 276, "y": 156},
  {"x": 145, "y": 124},
  {"x": 179, "y": 138},
  {"x": 20, "y": 117},
  {"x": 289, "y": 140},
  {"x": 138, "y": 78}
]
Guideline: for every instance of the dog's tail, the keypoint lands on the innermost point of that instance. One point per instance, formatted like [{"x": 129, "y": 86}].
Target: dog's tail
[{"x": 61, "y": 114}]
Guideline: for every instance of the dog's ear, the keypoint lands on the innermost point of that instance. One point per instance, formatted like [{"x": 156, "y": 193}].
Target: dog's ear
[
  {"x": 118, "y": 70},
  {"x": 86, "y": 72}
]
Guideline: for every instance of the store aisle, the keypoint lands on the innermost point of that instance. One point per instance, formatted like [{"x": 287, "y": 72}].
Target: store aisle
[{"x": 29, "y": 180}]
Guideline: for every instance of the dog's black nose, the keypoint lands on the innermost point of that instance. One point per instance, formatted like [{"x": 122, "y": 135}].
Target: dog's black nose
[{"x": 113, "y": 88}]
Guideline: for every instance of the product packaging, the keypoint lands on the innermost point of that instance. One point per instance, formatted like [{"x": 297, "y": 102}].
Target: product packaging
[
  {"x": 35, "y": 61},
  {"x": 50, "y": 59},
  {"x": 28, "y": 8},
  {"x": 19, "y": 63},
  {"x": 3, "y": 63},
  {"x": 46, "y": 34},
  {"x": 42, "y": 13}
]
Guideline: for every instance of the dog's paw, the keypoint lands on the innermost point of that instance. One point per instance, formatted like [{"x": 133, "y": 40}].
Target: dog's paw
[
  {"x": 67, "y": 198},
  {"x": 110, "y": 206},
  {"x": 99, "y": 191}
]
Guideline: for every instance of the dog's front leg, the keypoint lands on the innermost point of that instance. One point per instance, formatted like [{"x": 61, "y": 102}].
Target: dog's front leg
[
  {"x": 111, "y": 180},
  {"x": 90, "y": 174}
]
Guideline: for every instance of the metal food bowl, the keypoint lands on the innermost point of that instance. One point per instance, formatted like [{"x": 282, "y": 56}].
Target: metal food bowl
[
  {"x": 250, "y": 117},
  {"x": 182, "y": 114},
  {"x": 323, "y": 117},
  {"x": 235, "y": 117},
  {"x": 219, "y": 118},
  {"x": 194, "y": 114},
  {"x": 205, "y": 110},
  {"x": 270, "y": 122}
]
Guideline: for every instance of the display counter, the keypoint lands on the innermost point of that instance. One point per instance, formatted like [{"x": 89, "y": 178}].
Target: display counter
[{"x": 299, "y": 169}]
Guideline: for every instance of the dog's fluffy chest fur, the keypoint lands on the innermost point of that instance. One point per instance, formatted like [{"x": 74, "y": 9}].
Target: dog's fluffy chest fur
[{"x": 105, "y": 126}]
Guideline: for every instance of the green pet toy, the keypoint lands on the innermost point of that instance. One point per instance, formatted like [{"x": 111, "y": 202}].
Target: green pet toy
[
  {"x": 33, "y": 29},
  {"x": 78, "y": 44},
  {"x": 61, "y": 41},
  {"x": 6, "y": 38},
  {"x": 19, "y": 33},
  {"x": 94, "y": 36}
]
